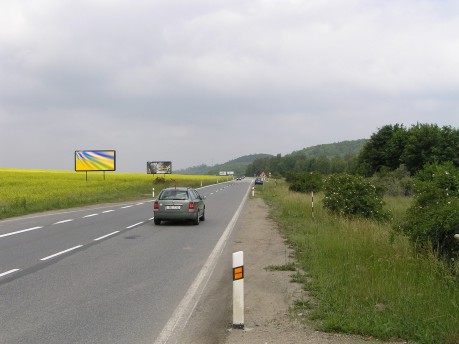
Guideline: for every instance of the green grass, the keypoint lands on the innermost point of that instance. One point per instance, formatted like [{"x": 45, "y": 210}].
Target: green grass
[
  {"x": 286, "y": 267},
  {"x": 364, "y": 280},
  {"x": 29, "y": 191}
]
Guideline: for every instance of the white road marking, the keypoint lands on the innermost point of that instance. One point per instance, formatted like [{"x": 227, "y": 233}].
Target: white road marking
[
  {"x": 139, "y": 203},
  {"x": 90, "y": 215},
  {"x": 108, "y": 211},
  {"x": 63, "y": 221},
  {"x": 106, "y": 236},
  {"x": 127, "y": 206},
  {"x": 185, "y": 309},
  {"x": 151, "y": 218},
  {"x": 62, "y": 252},
  {"x": 18, "y": 232},
  {"x": 128, "y": 227},
  {"x": 8, "y": 272}
]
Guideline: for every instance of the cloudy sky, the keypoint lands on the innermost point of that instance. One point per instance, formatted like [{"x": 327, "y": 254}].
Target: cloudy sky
[{"x": 206, "y": 81}]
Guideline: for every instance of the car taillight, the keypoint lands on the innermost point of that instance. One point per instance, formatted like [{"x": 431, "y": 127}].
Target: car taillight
[
  {"x": 156, "y": 206},
  {"x": 191, "y": 206}
]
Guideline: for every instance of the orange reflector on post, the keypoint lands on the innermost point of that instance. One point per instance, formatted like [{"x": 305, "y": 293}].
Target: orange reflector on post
[{"x": 238, "y": 273}]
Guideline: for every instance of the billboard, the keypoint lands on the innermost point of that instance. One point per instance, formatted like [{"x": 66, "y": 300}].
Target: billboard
[
  {"x": 95, "y": 160},
  {"x": 159, "y": 167},
  {"x": 226, "y": 173}
]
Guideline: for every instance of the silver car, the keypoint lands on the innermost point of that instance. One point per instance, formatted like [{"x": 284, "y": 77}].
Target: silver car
[{"x": 179, "y": 203}]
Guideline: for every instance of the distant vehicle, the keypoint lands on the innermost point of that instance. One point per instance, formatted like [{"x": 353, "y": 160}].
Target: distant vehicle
[
  {"x": 239, "y": 178},
  {"x": 259, "y": 181},
  {"x": 179, "y": 203}
]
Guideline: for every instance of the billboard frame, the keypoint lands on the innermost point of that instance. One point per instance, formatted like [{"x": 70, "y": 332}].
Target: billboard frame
[
  {"x": 82, "y": 155},
  {"x": 166, "y": 164}
]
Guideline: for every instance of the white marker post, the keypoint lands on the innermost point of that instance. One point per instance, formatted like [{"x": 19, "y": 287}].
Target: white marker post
[
  {"x": 238, "y": 290},
  {"x": 253, "y": 191},
  {"x": 153, "y": 192},
  {"x": 312, "y": 200}
]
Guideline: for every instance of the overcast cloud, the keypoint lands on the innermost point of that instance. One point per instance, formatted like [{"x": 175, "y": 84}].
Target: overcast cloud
[{"x": 208, "y": 81}]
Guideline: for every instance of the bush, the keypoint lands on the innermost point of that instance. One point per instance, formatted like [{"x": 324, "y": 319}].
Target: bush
[
  {"x": 354, "y": 196},
  {"x": 305, "y": 182},
  {"x": 395, "y": 183},
  {"x": 433, "y": 219}
]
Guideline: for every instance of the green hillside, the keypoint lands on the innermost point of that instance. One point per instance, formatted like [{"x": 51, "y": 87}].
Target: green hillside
[
  {"x": 238, "y": 166},
  {"x": 338, "y": 149}
]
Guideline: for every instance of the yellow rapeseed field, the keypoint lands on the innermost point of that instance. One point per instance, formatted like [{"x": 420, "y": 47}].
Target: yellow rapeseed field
[{"x": 25, "y": 191}]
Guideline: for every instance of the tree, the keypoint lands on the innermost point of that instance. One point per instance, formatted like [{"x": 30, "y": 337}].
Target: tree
[
  {"x": 383, "y": 150},
  {"x": 422, "y": 146}
]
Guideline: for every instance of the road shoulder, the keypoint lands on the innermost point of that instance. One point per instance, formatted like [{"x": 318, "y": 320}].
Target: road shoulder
[{"x": 269, "y": 295}]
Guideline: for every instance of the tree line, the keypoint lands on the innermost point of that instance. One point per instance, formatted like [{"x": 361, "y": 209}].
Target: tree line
[{"x": 391, "y": 147}]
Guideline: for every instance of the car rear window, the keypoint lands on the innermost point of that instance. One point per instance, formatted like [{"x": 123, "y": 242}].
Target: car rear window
[{"x": 173, "y": 195}]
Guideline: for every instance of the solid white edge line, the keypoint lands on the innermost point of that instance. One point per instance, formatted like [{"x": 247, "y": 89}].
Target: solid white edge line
[
  {"x": 106, "y": 236},
  {"x": 18, "y": 232},
  {"x": 134, "y": 225},
  {"x": 185, "y": 309},
  {"x": 62, "y": 252},
  {"x": 8, "y": 272}
]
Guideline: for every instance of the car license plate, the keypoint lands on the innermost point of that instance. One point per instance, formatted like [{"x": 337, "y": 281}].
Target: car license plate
[{"x": 172, "y": 207}]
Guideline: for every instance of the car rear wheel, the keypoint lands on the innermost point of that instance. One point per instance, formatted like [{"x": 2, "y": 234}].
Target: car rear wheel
[
  {"x": 157, "y": 221},
  {"x": 196, "y": 219},
  {"x": 203, "y": 216}
]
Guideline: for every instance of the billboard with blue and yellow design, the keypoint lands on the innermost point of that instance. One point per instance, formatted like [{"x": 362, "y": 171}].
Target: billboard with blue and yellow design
[{"x": 95, "y": 160}]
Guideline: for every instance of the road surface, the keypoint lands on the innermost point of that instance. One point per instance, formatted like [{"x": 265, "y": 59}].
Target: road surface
[{"x": 107, "y": 274}]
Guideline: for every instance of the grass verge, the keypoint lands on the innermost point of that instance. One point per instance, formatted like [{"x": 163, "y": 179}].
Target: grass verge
[{"x": 365, "y": 281}]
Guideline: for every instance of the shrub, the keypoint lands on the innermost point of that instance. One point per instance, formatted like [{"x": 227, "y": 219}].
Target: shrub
[
  {"x": 395, "y": 183},
  {"x": 354, "y": 196},
  {"x": 305, "y": 182},
  {"x": 433, "y": 219}
]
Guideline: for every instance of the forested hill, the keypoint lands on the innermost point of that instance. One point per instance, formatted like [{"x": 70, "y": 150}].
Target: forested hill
[
  {"x": 238, "y": 166},
  {"x": 331, "y": 150}
]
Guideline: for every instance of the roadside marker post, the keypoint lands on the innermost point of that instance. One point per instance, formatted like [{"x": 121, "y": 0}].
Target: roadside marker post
[
  {"x": 238, "y": 290},
  {"x": 153, "y": 192},
  {"x": 253, "y": 191},
  {"x": 312, "y": 200}
]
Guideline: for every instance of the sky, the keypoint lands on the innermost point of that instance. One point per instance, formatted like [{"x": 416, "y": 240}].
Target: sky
[{"x": 207, "y": 81}]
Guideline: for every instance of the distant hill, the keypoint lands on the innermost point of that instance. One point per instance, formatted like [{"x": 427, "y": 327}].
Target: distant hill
[
  {"x": 331, "y": 150},
  {"x": 238, "y": 166}
]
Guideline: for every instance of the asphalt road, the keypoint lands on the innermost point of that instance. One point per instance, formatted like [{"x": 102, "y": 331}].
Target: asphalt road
[{"x": 106, "y": 274}]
